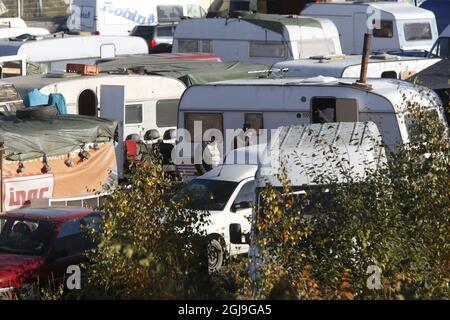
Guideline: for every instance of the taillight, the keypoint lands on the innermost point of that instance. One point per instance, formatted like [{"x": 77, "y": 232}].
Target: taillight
[
  {"x": 152, "y": 44},
  {"x": 97, "y": 33}
]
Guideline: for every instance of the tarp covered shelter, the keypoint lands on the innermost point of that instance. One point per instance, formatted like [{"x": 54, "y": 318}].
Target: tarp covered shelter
[{"x": 52, "y": 136}]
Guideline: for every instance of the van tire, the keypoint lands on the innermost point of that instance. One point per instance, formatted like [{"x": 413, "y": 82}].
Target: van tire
[
  {"x": 36, "y": 112},
  {"x": 216, "y": 253}
]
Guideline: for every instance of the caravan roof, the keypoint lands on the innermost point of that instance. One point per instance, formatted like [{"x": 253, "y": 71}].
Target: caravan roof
[
  {"x": 349, "y": 65},
  {"x": 74, "y": 47},
  {"x": 356, "y": 147}
]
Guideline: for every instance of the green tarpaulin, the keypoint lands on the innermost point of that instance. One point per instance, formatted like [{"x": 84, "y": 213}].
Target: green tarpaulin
[
  {"x": 190, "y": 71},
  {"x": 29, "y": 139}
]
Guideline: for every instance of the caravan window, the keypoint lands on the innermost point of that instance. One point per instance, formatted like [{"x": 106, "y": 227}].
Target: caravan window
[
  {"x": 133, "y": 113},
  {"x": 417, "y": 31},
  {"x": 323, "y": 110},
  {"x": 206, "y": 46},
  {"x": 255, "y": 120},
  {"x": 206, "y": 120},
  {"x": 268, "y": 49},
  {"x": 386, "y": 29},
  {"x": 169, "y": 13},
  {"x": 166, "y": 113},
  {"x": 195, "y": 11},
  {"x": 188, "y": 45}
]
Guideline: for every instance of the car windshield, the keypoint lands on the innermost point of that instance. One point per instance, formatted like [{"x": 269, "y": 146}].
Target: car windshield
[
  {"x": 203, "y": 194},
  {"x": 20, "y": 236},
  {"x": 441, "y": 48},
  {"x": 143, "y": 31}
]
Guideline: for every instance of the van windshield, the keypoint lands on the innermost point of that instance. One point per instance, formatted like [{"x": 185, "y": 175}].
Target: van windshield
[
  {"x": 417, "y": 31},
  {"x": 204, "y": 194},
  {"x": 169, "y": 13},
  {"x": 441, "y": 48}
]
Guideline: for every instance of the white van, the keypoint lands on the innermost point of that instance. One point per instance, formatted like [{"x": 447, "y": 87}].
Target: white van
[
  {"x": 258, "y": 38},
  {"x": 212, "y": 109},
  {"x": 54, "y": 53},
  {"x": 118, "y": 17},
  {"x": 395, "y": 26},
  {"x": 441, "y": 49},
  {"x": 349, "y": 66},
  {"x": 228, "y": 192}
]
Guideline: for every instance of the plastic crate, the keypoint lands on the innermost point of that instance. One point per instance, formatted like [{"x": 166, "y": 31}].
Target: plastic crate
[{"x": 84, "y": 69}]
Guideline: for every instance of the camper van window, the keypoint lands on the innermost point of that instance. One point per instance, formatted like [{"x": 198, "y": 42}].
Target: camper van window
[
  {"x": 133, "y": 113},
  {"x": 386, "y": 29},
  {"x": 255, "y": 120},
  {"x": 247, "y": 193},
  {"x": 195, "y": 11},
  {"x": 186, "y": 46},
  {"x": 208, "y": 121},
  {"x": 417, "y": 31},
  {"x": 166, "y": 111},
  {"x": 441, "y": 48},
  {"x": 206, "y": 46},
  {"x": 323, "y": 110},
  {"x": 169, "y": 13},
  {"x": 268, "y": 49}
]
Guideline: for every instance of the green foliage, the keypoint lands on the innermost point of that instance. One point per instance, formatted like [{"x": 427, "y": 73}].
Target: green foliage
[{"x": 397, "y": 219}]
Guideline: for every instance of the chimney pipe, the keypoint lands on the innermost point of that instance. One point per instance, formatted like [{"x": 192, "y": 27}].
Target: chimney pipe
[{"x": 365, "y": 62}]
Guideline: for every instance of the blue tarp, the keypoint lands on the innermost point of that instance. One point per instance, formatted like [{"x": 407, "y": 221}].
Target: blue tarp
[{"x": 35, "y": 98}]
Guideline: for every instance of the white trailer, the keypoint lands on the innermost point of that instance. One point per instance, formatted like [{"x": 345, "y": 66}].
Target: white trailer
[
  {"x": 118, "y": 17},
  {"x": 212, "y": 109},
  {"x": 258, "y": 38},
  {"x": 142, "y": 102},
  {"x": 349, "y": 66},
  {"x": 395, "y": 26},
  {"x": 54, "y": 53}
]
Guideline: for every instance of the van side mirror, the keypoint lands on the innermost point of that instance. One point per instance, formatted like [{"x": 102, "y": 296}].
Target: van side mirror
[
  {"x": 236, "y": 234},
  {"x": 241, "y": 205}
]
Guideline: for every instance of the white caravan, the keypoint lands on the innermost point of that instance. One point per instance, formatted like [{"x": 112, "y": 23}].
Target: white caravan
[
  {"x": 395, "y": 26},
  {"x": 258, "y": 38},
  {"x": 55, "y": 52},
  {"x": 210, "y": 109},
  {"x": 13, "y": 27},
  {"x": 119, "y": 17},
  {"x": 228, "y": 192},
  {"x": 441, "y": 48},
  {"x": 349, "y": 66}
]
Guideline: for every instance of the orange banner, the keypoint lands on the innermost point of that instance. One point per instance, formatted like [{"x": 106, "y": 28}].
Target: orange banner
[{"x": 83, "y": 178}]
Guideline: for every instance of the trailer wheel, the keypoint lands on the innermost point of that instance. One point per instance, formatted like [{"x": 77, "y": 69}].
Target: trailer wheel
[
  {"x": 36, "y": 112},
  {"x": 216, "y": 254}
]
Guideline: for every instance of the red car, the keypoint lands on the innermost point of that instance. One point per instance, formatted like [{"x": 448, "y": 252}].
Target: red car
[{"x": 39, "y": 244}]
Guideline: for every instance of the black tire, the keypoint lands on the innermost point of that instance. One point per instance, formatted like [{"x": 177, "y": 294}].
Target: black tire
[
  {"x": 36, "y": 112},
  {"x": 216, "y": 254}
]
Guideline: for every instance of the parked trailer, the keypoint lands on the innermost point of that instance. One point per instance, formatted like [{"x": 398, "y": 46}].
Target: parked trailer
[
  {"x": 55, "y": 52},
  {"x": 258, "y": 38},
  {"x": 119, "y": 17},
  {"x": 395, "y": 26},
  {"x": 210, "y": 109},
  {"x": 349, "y": 66}
]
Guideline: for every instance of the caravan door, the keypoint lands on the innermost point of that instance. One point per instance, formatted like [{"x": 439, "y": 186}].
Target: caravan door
[{"x": 112, "y": 106}]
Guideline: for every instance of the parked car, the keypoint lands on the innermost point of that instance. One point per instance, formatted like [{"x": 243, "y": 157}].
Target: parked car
[
  {"x": 441, "y": 49},
  {"x": 159, "y": 38},
  {"x": 39, "y": 244}
]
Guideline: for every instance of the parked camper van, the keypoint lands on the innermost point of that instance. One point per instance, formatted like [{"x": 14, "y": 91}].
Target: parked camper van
[
  {"x": 297, "y": 149},
  {"x": 55, "y": 52},
  {"x": 211, "y": 109},
  {"x": 441, "y": 48},
  {"x": 395, "y": 26},
  {"x": 258, "y": 38},
  {"x": 349, "y": 66},
  {"x": 441, "y": 9},
  {"x": 118, "y": 17},
  {"x": 228, "y": 192}
]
